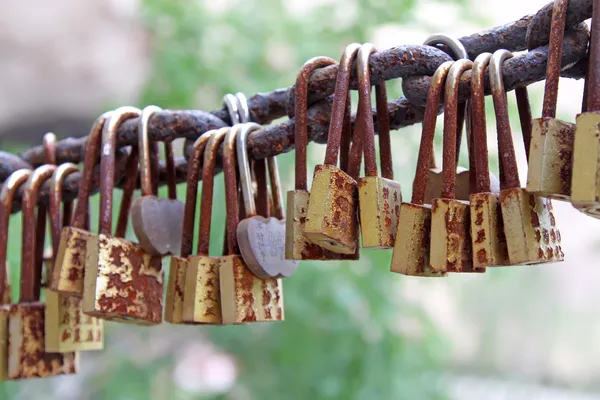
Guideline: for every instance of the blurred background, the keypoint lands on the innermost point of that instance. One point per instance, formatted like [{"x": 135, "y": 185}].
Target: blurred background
[{"x": 352, "y": 330}]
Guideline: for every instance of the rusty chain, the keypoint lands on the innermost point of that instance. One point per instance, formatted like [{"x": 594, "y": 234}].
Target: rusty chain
[{"x": 414, "y": 63}]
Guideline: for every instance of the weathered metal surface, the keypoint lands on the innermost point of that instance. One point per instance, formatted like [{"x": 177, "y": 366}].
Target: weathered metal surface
[
  {"x": 175, "y": 290},
  {"x": 585, "y": 187},
  {"x": 487, "y": 231},
  {"x": 26, "y": 355},
  {"x": 246, "y": 298},
  {"x": 202, "y": 295},
  {"x": 538, "y": 29}
]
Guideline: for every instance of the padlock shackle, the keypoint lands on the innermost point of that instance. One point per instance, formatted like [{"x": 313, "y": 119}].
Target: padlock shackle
[
  {"x": 509, "y": 176},
  {"x": 458, "y": 49},
  {"x": 107, "y": 164},
  {"x": 49, "y": 147},
  {"x": 365, "y": 124},
  {"x": 478, "y": 124},
  {"x": 276, "y": 192},
  {"x": 92, "y": 151},
  {"x": 301, "y": 118},
  {"x": 592, "y": 102},
  {"x": 211, "y": 151},
  {"x": 451, "y": 105},
  {"x": 339, "y": 107},
  {"x": 30, "y": 275},
  {"x": 144, "y": 148},
  {"x": 428, "y": 131},
  {"x": 7, "y": 194},
  {"x": 129, "y": 186},
  {"x": 555, "y": 49},
  {"x": 525, "y": 117},
  {"x": 56, "y": 196},
  {"x": 244, "y": 166},
  {"x": 231, "y": 189}
]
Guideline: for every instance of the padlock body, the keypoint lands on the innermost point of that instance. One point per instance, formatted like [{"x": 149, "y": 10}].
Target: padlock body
[
  {"x": 379, "y": 202},
  {"x": 202, "y": 293},
  {"x": 122, "y": 282},
  {"x": 175, "y": 290},
  {"x": 297, "y": 246},
  {"x": 69, "y": 265},
  {"x": 331, "y": 220},
  {"x": 551, "y": 158},
  {"x": 26, "y": 355},
  {"x": 585, "y": 185},
  {"x": 531, "y": 233},
  {"x": 451, "y": 236},
  {"x": 487, "y": 231},
  {"x": 246, "y": 298},
  {"x": 68, "y": 328},
  {"x": 411, "y": 250},
  {"x": 4, "y": 314}
]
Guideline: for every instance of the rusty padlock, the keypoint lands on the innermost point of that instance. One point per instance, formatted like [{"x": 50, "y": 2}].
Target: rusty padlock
[
  {"x": 450, "y": 249},
  {"x": 27, "y": 357},
  {"x": 411, "y": 250},
  {"x": 10, "y": 186},
  {"x": 180, "y": 265},
  {"x": 332, "y": 220},
  {"x": 585, "y": 186},
  {"x": 487, "y": 229},
  {"x": 122, "y": 282},
  {"x": 244, "y": 297},
  {"x": 261, "y": 240},
  {"x": 297, "y": 246},
  {"x": 157, "y": 222},
  {"x": 202, "y": 295},
  {"x": 67, "y": 327},
  {"x": 69, "y": 264},
  {"x": 552, "y": 140},
  {"x": 531, "y": 233},
  {"x": 379, "y": 197}
]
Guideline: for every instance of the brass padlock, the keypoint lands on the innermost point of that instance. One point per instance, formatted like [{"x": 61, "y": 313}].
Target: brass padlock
[
  {"x": 67, "y": 327},
  {"x": 487, "y": 229},
  {"x": 261, "y": 239},
  {"x": 181, "y": 265},
  {"x": 10, "y": 186},
  {"x": 552, "y": 140},
  {"x": 411, "y": 250},
  {"x": 244, "y": 297},
  {"x": 157, "y": 222},
  {"x": 379, "y": 197},
  {"x": 332, "y": 220},
  {"x": 69, "y": 264},
  {"x": 450, "y": 249},
  {"x": 27, "y": 357},
  {"x": 531, "y": 233},
  {"x": 585, "y": 186},
  {"x": 202, "y": 295},
  {"x": 122, "y": 282}
]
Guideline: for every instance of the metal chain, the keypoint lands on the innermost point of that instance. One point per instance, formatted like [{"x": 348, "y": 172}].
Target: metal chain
[{"x": 414, "y": 63}]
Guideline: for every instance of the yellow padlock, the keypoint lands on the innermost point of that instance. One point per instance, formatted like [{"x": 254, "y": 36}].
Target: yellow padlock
[
  {"x": 552, "y": 140},
  {"x": 379, "y": 197},
  {"x": 332, "y": 220},
  {"x": 10, "y": 186},
  {"x": 531, "y": 233}
]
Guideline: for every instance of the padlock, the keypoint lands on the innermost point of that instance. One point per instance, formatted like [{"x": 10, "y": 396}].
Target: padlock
[
  {"x": 585, "y": 186},
  {"x": 529, "y": 224},
  {"x": 261, "y": 240},
  {"x": 202, "y": 295},
  {"x": 379, "y": 197},
  {"x": 121, "y": 282},
  {"x": 67, "y": 327},
  {"x": 297, "y": 246},
  {"x": 487, "y": 229},
  {"x": 69, "y": 264},
  {"x": 332, "y": 220},
  {"x": 157, "y": 222},
  {"x": 27, "y": 357},
  {"x": 10, "y": 186},
  {"x": 411, "y": 250},
  {"x": 450, "y": 218},
  {"x": 178, "y": 270},
  {"x": 244, "y": 297},
  {"x": 552, "y": 140}
]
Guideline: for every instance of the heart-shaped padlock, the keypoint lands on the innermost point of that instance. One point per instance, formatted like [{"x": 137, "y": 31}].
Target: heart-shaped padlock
[{"x": 157, "y": 222}]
